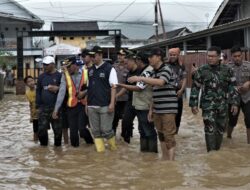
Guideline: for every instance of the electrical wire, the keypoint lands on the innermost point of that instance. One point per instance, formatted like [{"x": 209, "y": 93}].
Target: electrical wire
[{"x": 122, "y": 11}]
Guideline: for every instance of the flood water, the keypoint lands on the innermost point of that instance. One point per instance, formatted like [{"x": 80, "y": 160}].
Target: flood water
[{"x": 26, "y": 165}]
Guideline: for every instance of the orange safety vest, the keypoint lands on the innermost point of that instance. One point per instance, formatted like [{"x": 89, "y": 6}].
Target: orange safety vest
[{"x": 72, "y": 92}]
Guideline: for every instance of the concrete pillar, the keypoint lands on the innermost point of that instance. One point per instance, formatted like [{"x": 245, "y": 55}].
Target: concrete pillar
[
  {"x": 209, "y": 42},
  {"x": 184, "y": 48},
  {"x": 20, "y": 87},
  {"x": 166, "y": 49},
  {"x": 247, "y": 37},
  {"x": 1, "y": 86}
]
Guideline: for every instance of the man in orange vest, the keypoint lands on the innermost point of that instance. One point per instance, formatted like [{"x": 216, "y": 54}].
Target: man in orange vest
[{"x": 74, "y": 86}]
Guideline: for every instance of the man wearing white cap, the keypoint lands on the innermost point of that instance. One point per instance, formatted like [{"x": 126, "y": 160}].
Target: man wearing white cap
[{"x": 46, "y": 94}]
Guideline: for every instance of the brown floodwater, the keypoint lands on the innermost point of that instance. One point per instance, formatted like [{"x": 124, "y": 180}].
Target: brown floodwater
[{"x": 26, "y": 165}]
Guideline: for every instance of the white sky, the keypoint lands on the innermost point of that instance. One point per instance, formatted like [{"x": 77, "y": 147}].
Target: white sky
[{"x": 136, "y": 14}]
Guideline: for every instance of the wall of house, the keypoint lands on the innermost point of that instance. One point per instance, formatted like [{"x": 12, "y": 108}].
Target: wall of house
[
  {"x": 79, "y": 41},
  {"x": 245, "y": 7},
  {"x": 8, "y": 31}
]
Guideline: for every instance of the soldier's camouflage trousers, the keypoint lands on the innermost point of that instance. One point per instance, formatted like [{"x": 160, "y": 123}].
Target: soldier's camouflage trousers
[
  {"x": 45, "y": 119},
  {"x": 215, "y": 122}
]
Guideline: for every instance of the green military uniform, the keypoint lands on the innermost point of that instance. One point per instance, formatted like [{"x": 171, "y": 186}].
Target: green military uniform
[{"x": 218, "y": 86}]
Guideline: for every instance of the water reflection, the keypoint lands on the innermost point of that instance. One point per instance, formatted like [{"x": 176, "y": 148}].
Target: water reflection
[{"x": 26, "y": 165}]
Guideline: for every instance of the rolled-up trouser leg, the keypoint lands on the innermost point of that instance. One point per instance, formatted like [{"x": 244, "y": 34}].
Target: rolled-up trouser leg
[{"x": 165, "y": 125}]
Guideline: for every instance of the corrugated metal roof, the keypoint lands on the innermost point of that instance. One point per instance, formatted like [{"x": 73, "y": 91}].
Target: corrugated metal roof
[
  {"x": 232, "y": 26},
  {"x": 80, "y": 25},
  {"x": 172, "y": 33},
  {"x": 15, "y": 11},
  {"x": 225, "y": 13}
]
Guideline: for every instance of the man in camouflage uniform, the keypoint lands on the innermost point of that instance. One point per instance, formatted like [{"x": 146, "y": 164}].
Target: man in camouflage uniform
[
  {"x": 242, "y": 73},
  {"x": 217, "y": 82}
]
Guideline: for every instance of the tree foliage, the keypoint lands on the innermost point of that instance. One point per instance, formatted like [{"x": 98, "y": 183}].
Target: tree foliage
[{"x": 6, "y": 60}]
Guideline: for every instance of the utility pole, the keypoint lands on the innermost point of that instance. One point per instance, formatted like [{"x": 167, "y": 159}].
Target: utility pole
[
  {"x": 162, "y": 22},
  {"x": 156, "y": 21}
]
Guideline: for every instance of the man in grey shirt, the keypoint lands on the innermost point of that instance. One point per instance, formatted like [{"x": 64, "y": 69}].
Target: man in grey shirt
[
  {"x": 242, "y": 73},
  {"x": 73, "y": 86}
]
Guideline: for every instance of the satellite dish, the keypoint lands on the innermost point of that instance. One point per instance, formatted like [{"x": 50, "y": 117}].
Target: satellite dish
[
  {"x": 38, "y": 60},
  {"x": 155, "y": 24}
]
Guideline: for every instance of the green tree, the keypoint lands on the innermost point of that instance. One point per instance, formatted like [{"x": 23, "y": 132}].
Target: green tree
[{"x": 5, "y": 60}]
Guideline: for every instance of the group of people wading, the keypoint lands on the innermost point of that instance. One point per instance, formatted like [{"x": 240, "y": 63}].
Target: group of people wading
[{"x": 90, "y": 96}]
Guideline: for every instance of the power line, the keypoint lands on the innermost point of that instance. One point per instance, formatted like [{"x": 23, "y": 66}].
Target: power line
[
  {"x": 188, "y": 10},
  {"x": 20, "y": 1},
  {"x": 142, "y": 3},
  {"x": 124, "y": 10},
  {"x": 62, "y": 10}
]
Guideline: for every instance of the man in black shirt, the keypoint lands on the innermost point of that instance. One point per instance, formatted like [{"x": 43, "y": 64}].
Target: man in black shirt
[
  {"x": 130, "y": 112},
  {"x": 180, "y": 80}
]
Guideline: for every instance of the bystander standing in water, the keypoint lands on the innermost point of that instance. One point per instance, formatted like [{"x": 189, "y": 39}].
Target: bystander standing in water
[{"x": 31, "y": 96}]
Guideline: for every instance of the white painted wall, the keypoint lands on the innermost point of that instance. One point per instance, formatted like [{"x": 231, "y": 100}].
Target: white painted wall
[
  {"x": 9, "y": 31},
  {"x": 245, "y": 7}
]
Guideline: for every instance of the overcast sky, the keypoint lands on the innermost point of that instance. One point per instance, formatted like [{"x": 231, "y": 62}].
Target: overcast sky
[{"x": 128, "y": 14}]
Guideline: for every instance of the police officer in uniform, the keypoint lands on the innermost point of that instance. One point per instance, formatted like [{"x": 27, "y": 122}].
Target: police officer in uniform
[
  {"x": 242, "y": 73},
  {"x": 122, "y": 71}
]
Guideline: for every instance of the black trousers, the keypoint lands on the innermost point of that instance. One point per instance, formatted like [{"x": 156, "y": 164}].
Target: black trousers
[
  {"x": 233, "y": 119},
  {"x": 78, "y": 121},
  {"x": 119, "y": 112},
  {"x": 179, "y": 114},
  {"x": 128, "y": 121},
  {"x": 35, "y": 125}
]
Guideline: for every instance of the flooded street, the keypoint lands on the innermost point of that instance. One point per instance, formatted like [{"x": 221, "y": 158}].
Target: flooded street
[{"x": 26, "y": 165}]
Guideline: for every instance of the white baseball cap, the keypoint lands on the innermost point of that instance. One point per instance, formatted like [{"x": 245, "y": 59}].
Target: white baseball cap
[{"x": 48, "y": 60}]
